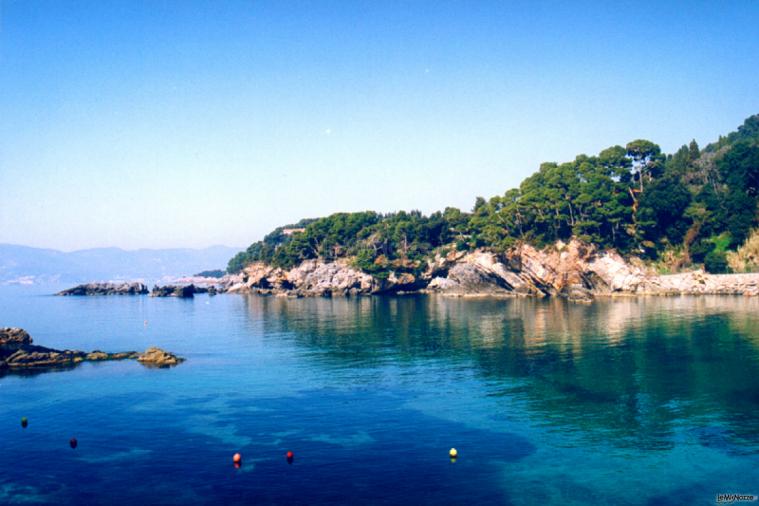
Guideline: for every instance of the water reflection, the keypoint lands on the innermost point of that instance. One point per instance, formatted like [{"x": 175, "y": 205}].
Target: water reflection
[{"x": 628, "y": 370}]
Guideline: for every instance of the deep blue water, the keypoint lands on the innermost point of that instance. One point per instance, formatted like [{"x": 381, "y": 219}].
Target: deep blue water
[{"x": 629, "y": 401}]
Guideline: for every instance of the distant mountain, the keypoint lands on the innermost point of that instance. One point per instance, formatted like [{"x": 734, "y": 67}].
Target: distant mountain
[{"x": 27, "y": 265}]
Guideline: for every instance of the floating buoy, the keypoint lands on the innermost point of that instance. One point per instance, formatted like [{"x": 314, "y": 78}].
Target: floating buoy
[
  {"x": 237, "y": 459},
  {"x": 73, "y": 442},
  {"x": 24, "y": 422},
  {"x": 453, "y": 453},
  {"x": 290, "y": 456}
]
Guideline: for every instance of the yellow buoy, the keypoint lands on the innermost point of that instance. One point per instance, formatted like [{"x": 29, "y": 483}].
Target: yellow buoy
[{"x": 453, "y": 453}]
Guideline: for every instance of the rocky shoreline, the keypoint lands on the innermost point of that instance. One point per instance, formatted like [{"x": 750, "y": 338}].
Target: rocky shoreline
[
  {"x": 576, "y": 271},
  {"x": 18, "y": 353}
]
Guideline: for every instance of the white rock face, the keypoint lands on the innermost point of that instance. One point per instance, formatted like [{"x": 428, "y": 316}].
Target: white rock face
[
  {"x": 337, "y": 278},
  {"x": 311, "y": 277},
  {"x": 616, "y": 274},
  {"x": 578, "y": 271}
]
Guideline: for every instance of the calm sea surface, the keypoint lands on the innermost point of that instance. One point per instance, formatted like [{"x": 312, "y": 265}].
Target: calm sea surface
[{"x": 631, "y": 401}]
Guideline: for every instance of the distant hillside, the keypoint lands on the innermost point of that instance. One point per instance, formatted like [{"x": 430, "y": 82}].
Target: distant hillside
[{"x": 23, "y": 264}]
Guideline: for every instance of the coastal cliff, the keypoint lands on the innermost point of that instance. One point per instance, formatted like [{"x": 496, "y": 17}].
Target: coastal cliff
[{"x": 575, "y": 270}]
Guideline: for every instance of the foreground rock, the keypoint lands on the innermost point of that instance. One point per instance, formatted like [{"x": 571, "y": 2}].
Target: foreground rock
[
  {"x": 156, "y": 357},
  {"x": 11, "y": 339},
  {"x": 18, "y": 353},
  {"x": 106, "y": 289},
  {"x": 576, "y": 271}
]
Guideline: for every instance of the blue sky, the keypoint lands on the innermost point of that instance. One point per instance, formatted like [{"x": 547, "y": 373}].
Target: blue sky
[{"x": 187, "y": 123}]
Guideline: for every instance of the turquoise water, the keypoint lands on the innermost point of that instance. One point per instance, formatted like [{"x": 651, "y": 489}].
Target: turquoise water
[{"x": 629, "y": 401}]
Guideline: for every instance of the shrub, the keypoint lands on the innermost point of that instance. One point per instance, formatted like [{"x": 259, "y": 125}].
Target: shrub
[
  {"x": 716, "y": 262},
  {"x": 746, "y": 258}
]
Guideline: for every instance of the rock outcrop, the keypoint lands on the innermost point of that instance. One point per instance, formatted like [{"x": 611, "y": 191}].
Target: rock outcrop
[
  {"x": 181, "y": 291},
  {"x": 130, "y": 288},
  {"x": 178, "y": 290},
  {"x": 579, "y": 272},
  {"x": 309, "y": 278},
  {"x": 313, "y": 277},
  {"x": 12, "y": 339},
  {"x": 156, "y": 357},
  {"x": 19, "y": 353}
]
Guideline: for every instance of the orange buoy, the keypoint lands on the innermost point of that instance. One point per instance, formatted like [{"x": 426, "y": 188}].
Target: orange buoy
[{"x": 237, "y": 458}]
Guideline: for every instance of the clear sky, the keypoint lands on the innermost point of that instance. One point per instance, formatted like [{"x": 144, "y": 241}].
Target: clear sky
[{"x": 188, "y": 123}]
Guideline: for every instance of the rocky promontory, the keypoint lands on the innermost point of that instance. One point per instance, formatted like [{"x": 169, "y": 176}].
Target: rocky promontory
[
  {"x": 575, "y": 270},
  {"x": 128, "y": 288},
  {"x": 19, "y": 353},
  {"x": 137, "y": 288}
]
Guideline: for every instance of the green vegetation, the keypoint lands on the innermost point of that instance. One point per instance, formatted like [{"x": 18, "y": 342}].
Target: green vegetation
[
  {"x": 215, "y": 273},
  {"x": 692, "y": 205}
]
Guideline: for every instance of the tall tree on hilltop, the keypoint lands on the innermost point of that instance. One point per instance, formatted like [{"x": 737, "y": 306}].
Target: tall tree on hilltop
[{"x": 646, "y": 160}]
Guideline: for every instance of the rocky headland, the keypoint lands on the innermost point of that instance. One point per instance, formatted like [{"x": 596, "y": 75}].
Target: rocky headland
[
  {"x": 182, "y": 290},
  {"x": 574, "y": 270},
  {"x": 18, "y": 353}
]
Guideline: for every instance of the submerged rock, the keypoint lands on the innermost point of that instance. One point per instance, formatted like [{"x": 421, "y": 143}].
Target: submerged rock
[
  {"x": 157, "y": 357},
  {"x": 133, "y": 288}
]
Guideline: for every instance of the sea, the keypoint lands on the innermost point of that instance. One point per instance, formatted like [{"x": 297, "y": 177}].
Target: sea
[{"x": 624, "y": 401}]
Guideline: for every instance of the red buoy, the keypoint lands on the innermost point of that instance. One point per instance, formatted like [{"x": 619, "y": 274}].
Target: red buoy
[
  {"x": 290, "y": 456},
  {"x": 73, "y": 442}
]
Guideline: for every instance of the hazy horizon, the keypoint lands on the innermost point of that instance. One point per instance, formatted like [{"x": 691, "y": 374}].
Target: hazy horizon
[
  {"x": 188, "y": 124},
  {"x": 128, "y": 250}
]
